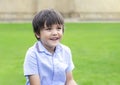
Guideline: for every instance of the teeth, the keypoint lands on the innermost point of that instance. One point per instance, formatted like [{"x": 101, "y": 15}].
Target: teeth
[{"x": 54, "y": 38}]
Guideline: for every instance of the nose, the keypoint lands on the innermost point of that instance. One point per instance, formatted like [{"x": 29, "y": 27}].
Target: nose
[{"x": 54, "y": 32}]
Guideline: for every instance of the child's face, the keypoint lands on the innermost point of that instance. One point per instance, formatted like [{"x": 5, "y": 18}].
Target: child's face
[{"x": 51, "y": 36}]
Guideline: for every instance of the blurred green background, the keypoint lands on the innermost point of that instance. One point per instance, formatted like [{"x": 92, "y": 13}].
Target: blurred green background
[{"x": 95, "y": 48}]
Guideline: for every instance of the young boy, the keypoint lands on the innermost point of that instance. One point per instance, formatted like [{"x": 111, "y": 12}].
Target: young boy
[{"x": 48, "y": 62}]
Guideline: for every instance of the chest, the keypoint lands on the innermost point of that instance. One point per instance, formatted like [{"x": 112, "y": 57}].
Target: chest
[
  {"x": 52, "y": 63},
  {"x": 56, "y": 62},
  {"x": 52, "y": 68}
]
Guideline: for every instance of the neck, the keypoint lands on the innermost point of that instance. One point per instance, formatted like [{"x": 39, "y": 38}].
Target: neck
[{"x": 51, "y": 50}]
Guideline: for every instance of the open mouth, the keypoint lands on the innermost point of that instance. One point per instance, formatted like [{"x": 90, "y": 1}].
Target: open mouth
[{"x": 54, "y": 39}]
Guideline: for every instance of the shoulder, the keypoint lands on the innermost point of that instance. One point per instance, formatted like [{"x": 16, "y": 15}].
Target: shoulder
[
  {"x": 31, "y": 50},
  {"x": 65, "y": 48}
]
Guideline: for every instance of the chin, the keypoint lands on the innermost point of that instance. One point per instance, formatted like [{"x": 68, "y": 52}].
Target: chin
[{"x": 54, "y": 45}]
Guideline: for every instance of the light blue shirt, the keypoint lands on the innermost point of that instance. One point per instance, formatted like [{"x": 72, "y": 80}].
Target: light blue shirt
[{"x": 52, "y": 69}]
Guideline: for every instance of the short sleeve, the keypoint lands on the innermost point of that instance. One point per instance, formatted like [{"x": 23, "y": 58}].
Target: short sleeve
[
  {"x": 70, "y": 61},
  {"x": 30, "y": 64}
]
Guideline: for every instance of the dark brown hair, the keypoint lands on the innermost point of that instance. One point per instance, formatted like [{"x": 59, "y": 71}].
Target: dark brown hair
[{"x": 48, "y": 17}]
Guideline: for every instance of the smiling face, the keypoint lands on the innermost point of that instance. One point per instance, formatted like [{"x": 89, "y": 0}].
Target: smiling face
[{"x": 51, "y": 36}]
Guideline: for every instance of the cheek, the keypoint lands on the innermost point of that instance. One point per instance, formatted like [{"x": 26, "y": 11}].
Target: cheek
[
  {"x": 61, "y": 34},
  {"x": 44, "y": 35}
]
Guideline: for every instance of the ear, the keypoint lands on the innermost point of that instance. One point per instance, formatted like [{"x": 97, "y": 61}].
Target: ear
[{"x": 37, "y": 35}]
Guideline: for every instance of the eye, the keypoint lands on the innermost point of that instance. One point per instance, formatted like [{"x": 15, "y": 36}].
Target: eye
[
  {"x": 59, "y": 28},
  {"x": 48, "y": 28}
]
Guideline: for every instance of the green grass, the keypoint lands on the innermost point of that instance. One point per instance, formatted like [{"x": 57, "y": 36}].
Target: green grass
[{"x": 95, "y": 48}]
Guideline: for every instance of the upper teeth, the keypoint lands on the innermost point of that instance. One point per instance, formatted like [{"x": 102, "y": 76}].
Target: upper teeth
[{"x": 54, "y": 38}]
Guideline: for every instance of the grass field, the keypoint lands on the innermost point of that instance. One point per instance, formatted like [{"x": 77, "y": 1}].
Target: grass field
[{"x": 95, "y": 48}]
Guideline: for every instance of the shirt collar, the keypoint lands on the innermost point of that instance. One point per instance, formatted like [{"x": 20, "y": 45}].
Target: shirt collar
[{"x": 42, "y": 49}]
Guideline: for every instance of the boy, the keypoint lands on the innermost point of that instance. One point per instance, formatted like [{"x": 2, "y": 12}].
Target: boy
[{"x": 48, "y": 62}]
